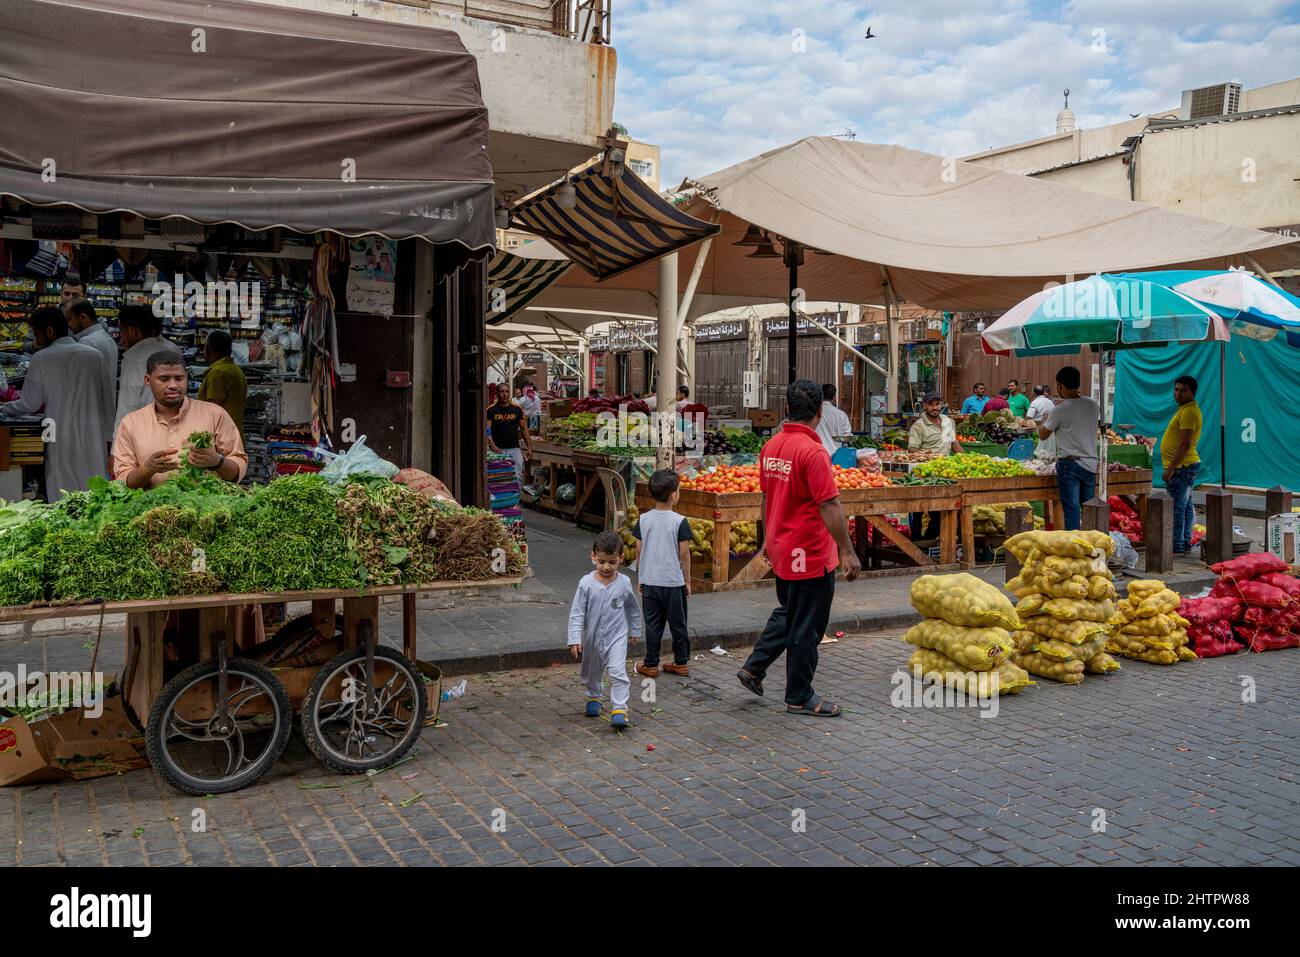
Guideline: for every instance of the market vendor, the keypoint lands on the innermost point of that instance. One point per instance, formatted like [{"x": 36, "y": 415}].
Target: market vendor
[
  {"x": 224, "y": 383},
  {"x": 976, "y": 401},
  {"x": 508, "y": 431},
  {"x": 1017, "y": 401},
  {"x": 1074, "y": 423},
  {"x": 140, "y": 332},
  {"x": 147, "y": 446},
  {"x": 935, "y": 433},
  {"x": 1041, "y": 405},
  {"x": 1180, "y": 460}
]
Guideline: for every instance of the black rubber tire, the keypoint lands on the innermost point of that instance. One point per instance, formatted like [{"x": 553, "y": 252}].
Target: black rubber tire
[
  {"x": 315, "y": 740},
  {"x": 177, "y": 777}
]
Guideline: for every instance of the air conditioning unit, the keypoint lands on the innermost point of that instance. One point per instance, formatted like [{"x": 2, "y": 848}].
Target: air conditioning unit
[{"x": 1223, "y": 99}]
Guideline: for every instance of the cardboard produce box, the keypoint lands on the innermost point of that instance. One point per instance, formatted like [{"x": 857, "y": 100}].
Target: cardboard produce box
[
  {"x": 70, "y": 746},
  {"x": 762, "y": 418},
  {"x": 559, "y": 408}
]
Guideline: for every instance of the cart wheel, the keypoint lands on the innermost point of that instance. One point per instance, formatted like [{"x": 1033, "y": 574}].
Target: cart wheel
[
  {"x": 339, "y": 728},
  {"x": 193, "y": 750}
]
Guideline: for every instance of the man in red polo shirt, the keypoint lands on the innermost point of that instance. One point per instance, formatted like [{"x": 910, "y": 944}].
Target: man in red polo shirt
[{"x": 803, "y": 525}]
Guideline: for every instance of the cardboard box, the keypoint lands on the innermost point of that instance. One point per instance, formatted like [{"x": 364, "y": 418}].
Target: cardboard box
[
  {"x": 70, "y": 745},
  {"x": 762, "y": 418},
  {"x": 559, "y": 408},
  {"x": 1282, "y": 537}
]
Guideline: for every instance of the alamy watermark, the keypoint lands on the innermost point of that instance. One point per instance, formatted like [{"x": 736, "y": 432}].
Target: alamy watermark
[
  {"x": 190, "y": 299},
  {"x": 61, "y": 690},
  {"x": 910, "y": 692}
]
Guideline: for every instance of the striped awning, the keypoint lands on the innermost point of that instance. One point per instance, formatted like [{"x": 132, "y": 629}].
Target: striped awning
[
  {"x": 516, "y": 277},
  {"x": 619, "y": 222}
]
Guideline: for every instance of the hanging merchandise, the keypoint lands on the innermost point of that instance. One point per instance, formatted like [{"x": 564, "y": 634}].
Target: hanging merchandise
[{"x": 320, "y": 333}]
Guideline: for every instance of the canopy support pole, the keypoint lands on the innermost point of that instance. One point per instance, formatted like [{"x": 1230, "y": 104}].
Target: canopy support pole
[
  {"x": 1223, "y": 415},
  {"x": 666, "y": 361},
  {"x": 845, "y": 343},
  {"x": 792, "y": 333},
  {"x": 891, "y": 329},
  {"x": 1101, "y": 426}
]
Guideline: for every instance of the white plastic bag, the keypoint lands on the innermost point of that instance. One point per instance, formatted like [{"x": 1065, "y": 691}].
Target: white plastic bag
[{"x": 358, "y": 460}]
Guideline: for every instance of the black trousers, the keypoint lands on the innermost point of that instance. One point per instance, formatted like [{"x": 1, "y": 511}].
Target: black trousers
[
  {"x": 795, "y": 627},
  {"x": 917, "y": 519},
  {"x": 660, "y": 604}
]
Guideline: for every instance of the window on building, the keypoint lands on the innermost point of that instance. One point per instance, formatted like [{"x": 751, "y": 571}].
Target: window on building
[{"x": 643, "y": 168}]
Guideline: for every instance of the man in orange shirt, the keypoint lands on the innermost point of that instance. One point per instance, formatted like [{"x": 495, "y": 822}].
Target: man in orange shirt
[{"x": 149, "y": 440}]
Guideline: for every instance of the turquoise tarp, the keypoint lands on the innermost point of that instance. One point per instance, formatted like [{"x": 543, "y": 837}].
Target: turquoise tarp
[{"x": 1263, "y": 389}]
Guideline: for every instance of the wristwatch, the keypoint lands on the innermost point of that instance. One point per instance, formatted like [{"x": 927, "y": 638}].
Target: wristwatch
[{"x": 220, "y": 462}]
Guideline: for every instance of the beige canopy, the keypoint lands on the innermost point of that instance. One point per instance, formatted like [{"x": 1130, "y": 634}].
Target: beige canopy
[{"x": 942, "y": 233}]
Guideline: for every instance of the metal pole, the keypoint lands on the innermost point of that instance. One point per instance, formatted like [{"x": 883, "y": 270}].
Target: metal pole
[
  {"x": 1105, "y": 442},
  {"x": 792, "y": 333},
  {"x": 1223, "y": 416},
  {"x": 666, "y": 360}
]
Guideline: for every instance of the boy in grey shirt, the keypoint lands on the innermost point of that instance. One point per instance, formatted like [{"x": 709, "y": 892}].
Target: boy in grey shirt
[
  {"x": 663, "y": 570},
  {"x": 603, "y": 615}
]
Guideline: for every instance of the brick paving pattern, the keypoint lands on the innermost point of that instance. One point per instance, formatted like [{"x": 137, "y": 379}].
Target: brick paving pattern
[{"x": 1185, "y": 772}]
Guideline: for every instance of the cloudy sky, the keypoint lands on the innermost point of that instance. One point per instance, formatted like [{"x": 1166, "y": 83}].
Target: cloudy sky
[{"x": 716, "y": 81}]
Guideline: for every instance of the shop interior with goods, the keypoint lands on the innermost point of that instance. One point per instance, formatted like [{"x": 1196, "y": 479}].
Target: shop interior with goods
[{"x": 202, "y": 567}]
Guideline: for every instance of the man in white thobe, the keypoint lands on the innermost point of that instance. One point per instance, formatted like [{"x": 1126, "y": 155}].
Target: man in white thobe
[
  {"x": 85, "y": 327},
  {"x": 65, "y": 379},
  {"x": 834, "y": 421},
  {"x": 139, "y": 330}
]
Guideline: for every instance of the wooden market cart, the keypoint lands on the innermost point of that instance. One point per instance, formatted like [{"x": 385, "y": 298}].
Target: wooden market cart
[
  {"x": 589, "y": 505},
  {"x": 184, "y": 680},
  {"x": 869, "y": 506}
]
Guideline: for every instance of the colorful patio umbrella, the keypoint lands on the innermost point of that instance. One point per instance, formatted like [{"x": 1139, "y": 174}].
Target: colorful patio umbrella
[
  {"x": 1251, "y": 307},
  {"x": 1105, "y": 312}
]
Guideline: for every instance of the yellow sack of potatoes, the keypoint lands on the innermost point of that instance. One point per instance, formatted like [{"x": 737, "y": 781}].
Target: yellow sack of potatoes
[
  {"x": 1158, "y": 625},
  {"x": 1100, "y": 587},
  {"x": 1144, "y": 588},
  {"x": 1160, "y": 603},
  {"x": 1185, "y": 653},
  {"x": 1029, "y": 605},
  {"x": 1069, "y": 672},
  {"x": 1023, "y": 587},
  {"x": 963, "y": 599},
  {"x": 1025, "y": 640},
  {"x": 1101, "y": 664},
  {"x": 1078, "y": 609},
  {"x": 979, "y": 649},
  {"x": 1057, "y": 568},
  {"x": 1076, "y": 544},
  {"x": 1005, "y": 679},
  {"x": 1158, "y": 651},
  {"x": 1156, "y": 656},
  {"x": 1073, "y": 632},
  {"x": 1064, "y": 651}
]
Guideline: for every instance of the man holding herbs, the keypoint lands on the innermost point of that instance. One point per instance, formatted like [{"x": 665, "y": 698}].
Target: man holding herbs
[{"x": 146, "y": 449}]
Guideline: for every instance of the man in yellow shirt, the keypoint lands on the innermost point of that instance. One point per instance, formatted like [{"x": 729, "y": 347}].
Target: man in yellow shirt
[
  {"x": 224, "y": 383},
  {"x": 1180, "y": 461}
]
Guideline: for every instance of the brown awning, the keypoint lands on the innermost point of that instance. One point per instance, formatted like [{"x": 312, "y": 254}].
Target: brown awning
[{"x": 228, "y": 111}]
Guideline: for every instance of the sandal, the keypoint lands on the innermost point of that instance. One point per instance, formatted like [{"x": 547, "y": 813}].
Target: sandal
[
  {"x": 814, "y": 707},
  {"x": 750, "y": 682}
]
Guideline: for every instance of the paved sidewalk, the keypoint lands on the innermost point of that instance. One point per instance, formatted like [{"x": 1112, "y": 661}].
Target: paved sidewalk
[
  {"x": 526, "y": 626},
  {"x": 1183, "y": 771}
]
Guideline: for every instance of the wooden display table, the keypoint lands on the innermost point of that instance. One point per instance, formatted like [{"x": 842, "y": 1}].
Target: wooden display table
[
  {"x": 869, "y": 506},
  {"x": 589, "y": 506}
]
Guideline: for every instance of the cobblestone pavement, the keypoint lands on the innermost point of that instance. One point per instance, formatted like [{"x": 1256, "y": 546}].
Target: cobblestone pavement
[{"x": 1184, "y": 771}]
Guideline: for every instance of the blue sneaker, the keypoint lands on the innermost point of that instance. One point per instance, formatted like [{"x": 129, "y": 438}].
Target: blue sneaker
[
  {"x": 593, "y": 708},
  {"x": 618, "y": 720}
]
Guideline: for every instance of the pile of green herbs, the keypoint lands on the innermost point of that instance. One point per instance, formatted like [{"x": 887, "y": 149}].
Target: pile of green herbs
[{"x": 197, "y": 534}]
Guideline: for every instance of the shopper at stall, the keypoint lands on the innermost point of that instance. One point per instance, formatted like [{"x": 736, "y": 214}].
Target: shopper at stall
[
  {"x": 532, "y": 405},
  {"x": 147, "y": 446},
  {"x": 935, "y": 433},
  {"x": 508, "y": 431},
  {"x": 138, "y": 330},
  {"x": 997, "y": 403},
  {"x": 1181, "y": 462},
  {"x": 1041, "y": 405},
  {"x": 64, "y": 381},
  {"x": 683, "y": 398},
  {"x": 85, "y": 327},
  {"x": 604, "y": 614},
  {"x": 663, "y": 575},
  {"x": 1017, "y": 400},
  {"x": 224, "y": 383},
  {"x": 72, "y": 288},
  {"x": 807, "y": 537},
  {"x": 976, "y": 401},
  {"x": 1074, "y": 423},
  {"x": 834, "y": 422}
]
